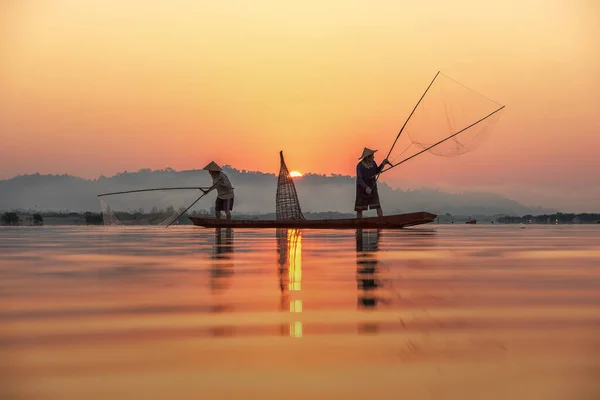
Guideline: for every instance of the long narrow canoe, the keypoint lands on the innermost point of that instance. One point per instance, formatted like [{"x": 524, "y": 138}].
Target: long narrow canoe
[{"x": 386, "y": 222}]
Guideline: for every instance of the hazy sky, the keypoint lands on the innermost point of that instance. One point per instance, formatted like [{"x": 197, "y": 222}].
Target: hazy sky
[{"x": 96, "y": 87}]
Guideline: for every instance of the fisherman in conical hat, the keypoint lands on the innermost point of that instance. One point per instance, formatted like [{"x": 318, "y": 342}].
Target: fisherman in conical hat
[
  {"x": 367, "y": 170},
  {"x": 225, "y": 195}
]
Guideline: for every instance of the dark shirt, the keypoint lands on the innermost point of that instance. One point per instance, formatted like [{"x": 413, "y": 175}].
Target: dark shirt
[{"x": 367, "y": 177}]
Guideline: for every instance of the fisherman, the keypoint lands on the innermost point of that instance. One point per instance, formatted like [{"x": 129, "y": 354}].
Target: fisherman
[
  {"x": 225, "y": 195},
  {"x": 367, "y": 170}
]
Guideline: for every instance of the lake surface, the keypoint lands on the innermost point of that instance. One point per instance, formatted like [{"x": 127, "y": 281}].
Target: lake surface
[{"x": 436, "y": 312}]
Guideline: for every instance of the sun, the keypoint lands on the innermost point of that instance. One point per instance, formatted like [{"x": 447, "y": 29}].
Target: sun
[{"x": 294, "y": 174}]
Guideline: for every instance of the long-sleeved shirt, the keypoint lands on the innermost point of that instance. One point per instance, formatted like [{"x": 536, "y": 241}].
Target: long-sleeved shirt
[
  {"x": 223, "y": 186},
  {"x": 366, "y": 177}
]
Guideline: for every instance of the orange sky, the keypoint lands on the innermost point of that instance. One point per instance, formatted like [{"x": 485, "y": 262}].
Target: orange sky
[{"x": 97, "y": 87}]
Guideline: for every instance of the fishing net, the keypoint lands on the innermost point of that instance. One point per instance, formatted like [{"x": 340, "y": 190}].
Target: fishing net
[
  {"x": 287, "y": 206},
  {"x": 449, "y": 120},
  {"x": 159, "y": 207}
]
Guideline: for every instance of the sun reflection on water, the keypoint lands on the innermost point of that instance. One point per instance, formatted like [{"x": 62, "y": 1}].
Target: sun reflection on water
[
  {"x": 289, "y": 248},
  {"x": 294, "y": 240}
]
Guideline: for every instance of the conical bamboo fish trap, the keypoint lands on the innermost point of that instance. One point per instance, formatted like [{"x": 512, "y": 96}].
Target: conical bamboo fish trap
[{"x": 287, "y": 206}]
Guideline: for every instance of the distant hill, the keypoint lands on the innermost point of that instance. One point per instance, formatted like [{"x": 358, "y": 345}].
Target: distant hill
[{"x": 255, "y": 193}]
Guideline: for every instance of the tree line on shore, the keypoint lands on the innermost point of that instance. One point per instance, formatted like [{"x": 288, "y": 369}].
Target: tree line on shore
[
  {"x": 15, "y": 218},
  {"x": 557, "y": 218}
]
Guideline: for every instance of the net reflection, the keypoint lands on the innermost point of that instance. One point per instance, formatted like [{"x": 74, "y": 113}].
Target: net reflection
[
  {"x": 289, "y": 260},
  {"x": 221, "y": 271}
]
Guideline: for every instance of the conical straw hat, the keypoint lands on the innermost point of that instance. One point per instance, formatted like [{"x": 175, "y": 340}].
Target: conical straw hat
[
  {"x": 212, "y": 166},
  {"x": 367, "y": 152}
]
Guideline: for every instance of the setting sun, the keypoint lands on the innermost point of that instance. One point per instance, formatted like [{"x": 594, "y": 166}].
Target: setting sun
[{"x": 294, "y": 174}]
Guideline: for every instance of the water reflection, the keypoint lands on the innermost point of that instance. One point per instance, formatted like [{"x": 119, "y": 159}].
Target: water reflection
[
  {"x": 221, "y": 272},
  {"x": 367, "y": 242},
  {"x": 527, "y": 317},
  {"x": 289, "y": 260}
]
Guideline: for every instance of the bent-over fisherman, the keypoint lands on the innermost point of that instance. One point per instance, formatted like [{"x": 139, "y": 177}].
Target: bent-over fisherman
[
  {"x": 367, "y": 196},
  {"x": 225, "y": 195}
]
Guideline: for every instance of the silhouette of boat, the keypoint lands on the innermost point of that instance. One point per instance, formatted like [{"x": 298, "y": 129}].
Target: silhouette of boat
[
  {"x": 386, "y": 222},
  {"x": 289, "y": 214}
]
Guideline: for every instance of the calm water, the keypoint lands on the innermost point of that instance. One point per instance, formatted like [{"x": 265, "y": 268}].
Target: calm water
[{"x": 438, "y": 312}]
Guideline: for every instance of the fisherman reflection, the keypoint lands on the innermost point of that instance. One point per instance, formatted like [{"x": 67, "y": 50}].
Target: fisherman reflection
[
  {"x": 289, "y": 261},
  {"x": 222, "y": 269},
  {"x": 366, "y": 267}
]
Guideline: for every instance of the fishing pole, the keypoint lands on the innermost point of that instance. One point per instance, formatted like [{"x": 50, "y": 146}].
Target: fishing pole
[
  {"x": 206, "y": 191},
  {"x": 150, "y": 190},
  {"x": 184, "y": 211}
]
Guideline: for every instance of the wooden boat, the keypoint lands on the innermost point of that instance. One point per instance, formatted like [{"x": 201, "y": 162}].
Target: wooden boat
[{"x": 387, "y": 222}]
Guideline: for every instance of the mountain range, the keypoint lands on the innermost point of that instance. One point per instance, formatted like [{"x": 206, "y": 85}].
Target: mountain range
[{"x": 254, "y": 193}]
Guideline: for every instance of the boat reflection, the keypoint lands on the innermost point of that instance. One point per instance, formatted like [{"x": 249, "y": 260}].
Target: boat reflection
[
  {"x": 222, "y": 269},
  {"x": 289, "y": 260},
  {"x": 367, "y": 242}
]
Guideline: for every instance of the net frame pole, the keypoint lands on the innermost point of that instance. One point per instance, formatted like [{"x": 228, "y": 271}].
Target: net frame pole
[
  {"x": 412, "y": 112},
  {"x": 408, "y": 119},
  {"x": 443, "y": 140}
]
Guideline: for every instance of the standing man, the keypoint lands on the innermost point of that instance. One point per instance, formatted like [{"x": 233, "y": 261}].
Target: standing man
[
  {"x": 367, "y": 196},
  {"x": 225, "y": 194}
]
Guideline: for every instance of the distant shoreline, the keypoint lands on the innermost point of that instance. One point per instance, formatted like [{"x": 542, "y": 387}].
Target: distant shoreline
[
  {"x": 31, "y": 218},
  {"x": 43, "y": 193}
]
